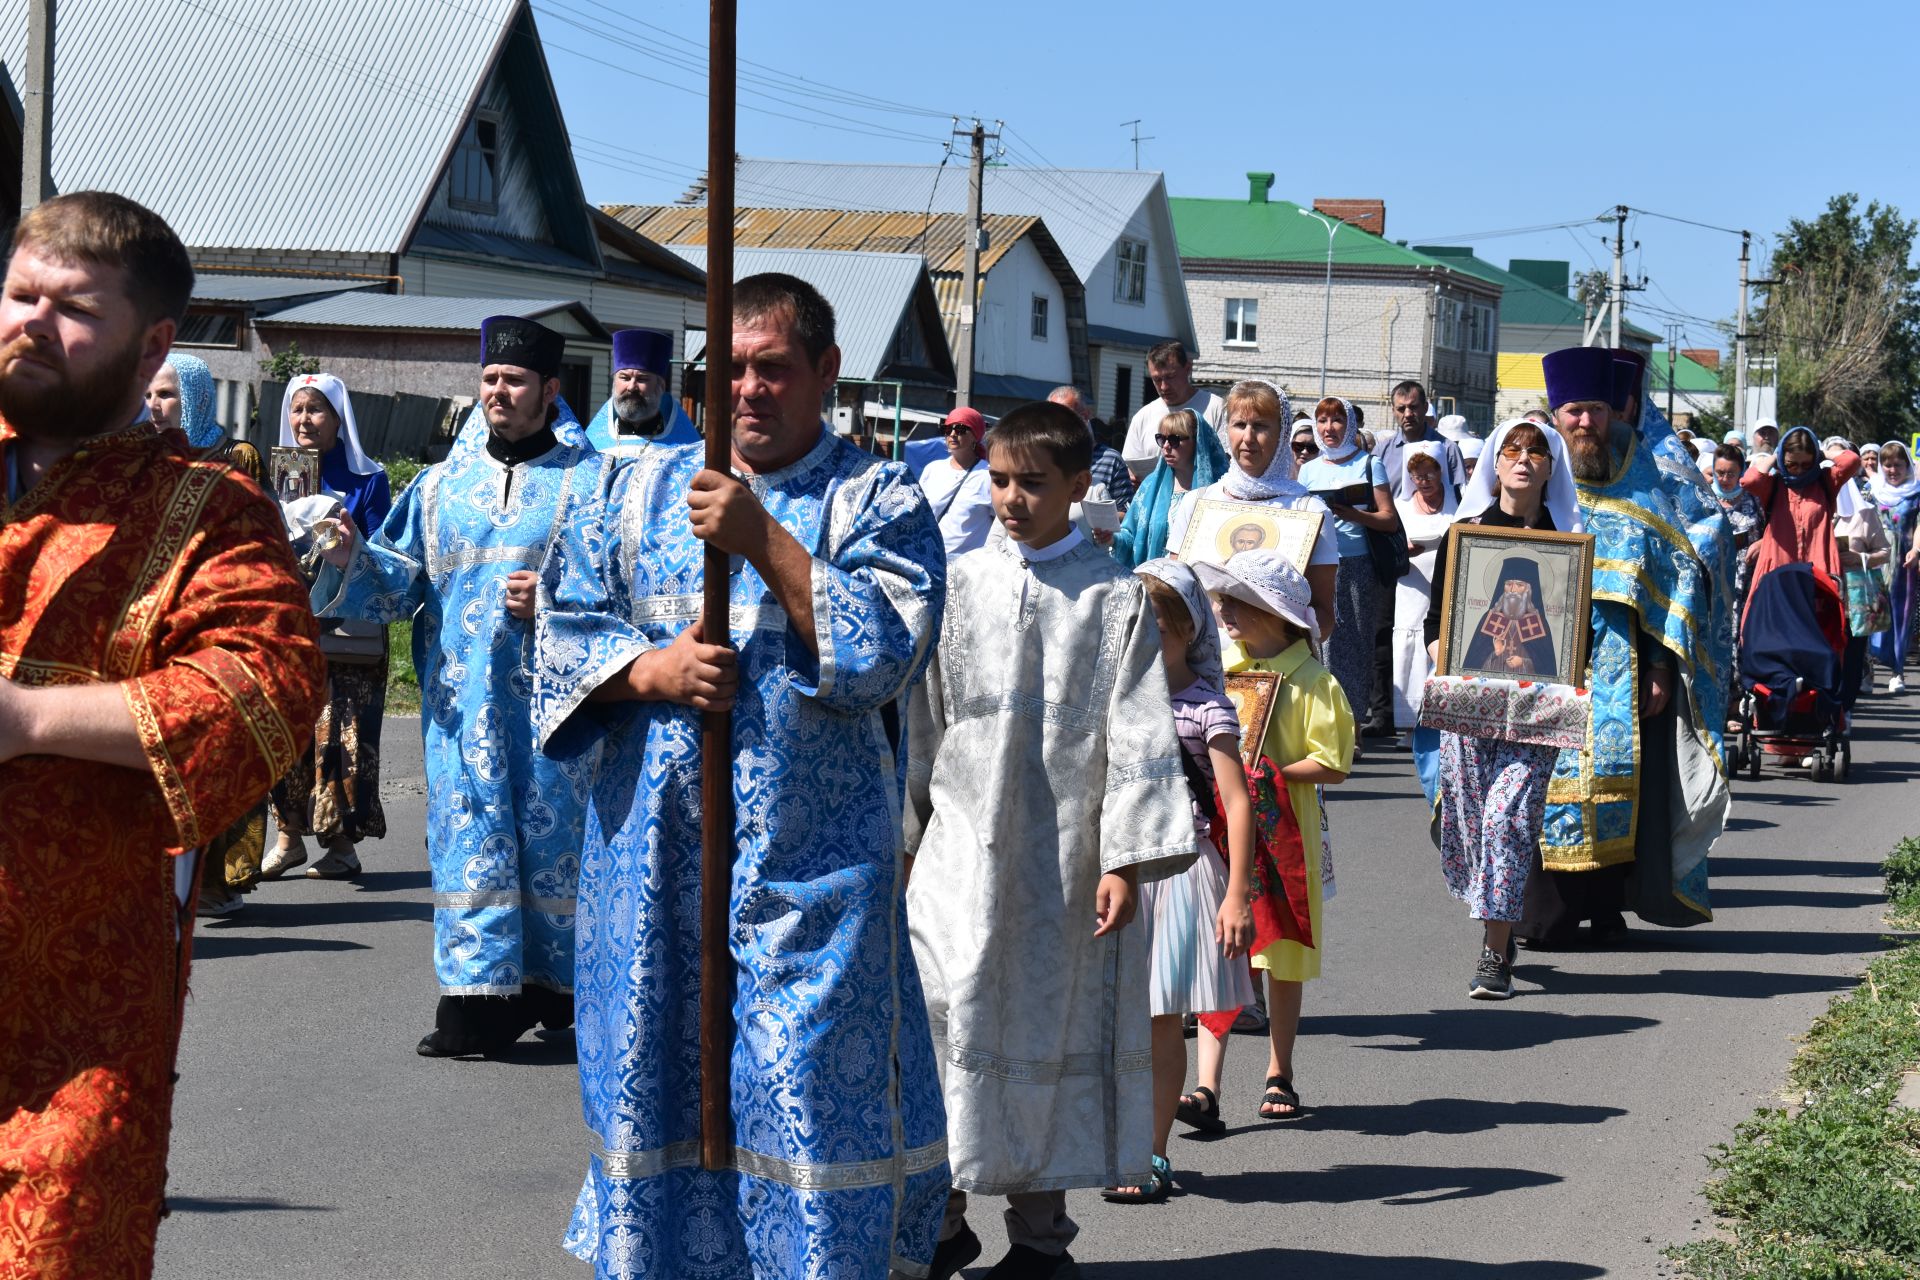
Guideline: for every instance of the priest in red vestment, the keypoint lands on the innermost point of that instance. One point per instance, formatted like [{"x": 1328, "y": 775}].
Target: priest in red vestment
[{"x": 158, "y": 670}]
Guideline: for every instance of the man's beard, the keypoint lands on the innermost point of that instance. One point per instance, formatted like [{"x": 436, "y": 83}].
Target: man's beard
[
  {"x": 1592, "y": 458},
  {"x": 69, "y": 408},
  {"x": 636, "y": 411}
]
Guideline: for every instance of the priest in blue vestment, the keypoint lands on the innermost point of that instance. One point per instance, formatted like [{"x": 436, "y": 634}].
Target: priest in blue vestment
[
  {"x": 461, "y": 547},
  {"x": 839, "y": 1165},
  {"x": 641, "y": 414}
]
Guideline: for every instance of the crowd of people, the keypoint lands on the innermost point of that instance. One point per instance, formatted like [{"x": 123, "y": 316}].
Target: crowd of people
[{"x": 1000, "y": 836}]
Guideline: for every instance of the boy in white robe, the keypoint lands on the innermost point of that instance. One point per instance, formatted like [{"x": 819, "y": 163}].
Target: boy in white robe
[{"x": 1045, "y": 784}]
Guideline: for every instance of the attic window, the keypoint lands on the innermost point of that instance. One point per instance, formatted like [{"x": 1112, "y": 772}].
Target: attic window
[
  {"x": 476, "y": 165},
  {"x": 1130, "y": 271}
]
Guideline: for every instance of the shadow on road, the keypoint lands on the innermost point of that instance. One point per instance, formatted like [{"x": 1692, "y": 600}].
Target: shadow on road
[
  {"x": 1346, "y": 1266},
  {"x": 362, "y": 908},
  {"x": 1748, "y": 824},
  {"x": 1758, "y": 942},
  {"x": 1726, "y": 899},
  {"x": 1398, "y": 1184},
  {"x": 1737, "y": 867},
  {"x": 1736, "y": 984},
  {"x": 226, "y": 946},
  {"x": 1479, "y": 1030},
  {"x": 240, "y": 1204},
  {"x": 1447, "y": 1116}
]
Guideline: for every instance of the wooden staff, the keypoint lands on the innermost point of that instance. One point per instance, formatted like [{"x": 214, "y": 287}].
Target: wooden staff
[{"x": 716, "y": 728}]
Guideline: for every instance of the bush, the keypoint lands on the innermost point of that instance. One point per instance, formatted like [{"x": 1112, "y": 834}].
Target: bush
[{"x": 1903, "y": 883}]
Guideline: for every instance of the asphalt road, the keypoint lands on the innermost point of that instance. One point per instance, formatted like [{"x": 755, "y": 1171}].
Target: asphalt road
[{"x": 1561, "y": 1134}]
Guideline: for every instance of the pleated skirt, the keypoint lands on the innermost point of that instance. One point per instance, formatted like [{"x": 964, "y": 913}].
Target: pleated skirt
[{"x": 1189, "y": 973}]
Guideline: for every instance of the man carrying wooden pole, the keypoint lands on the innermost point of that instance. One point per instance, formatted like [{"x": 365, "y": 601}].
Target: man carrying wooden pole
[{"x": 738, "y": 632}]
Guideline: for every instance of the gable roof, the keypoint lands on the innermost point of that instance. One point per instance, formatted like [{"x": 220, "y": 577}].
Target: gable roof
[
  {"x": 1085, "y": 209},
  {"x": 396, "y": 82},
  {"x": 940, "y": 237},
  {"x": 433, "y": 313},
  {"x": 1277, "y": 231},
  {"x": 1690, "y": 377},
  {"x": 1524, "y": 301},
  {"x": 870, "y": 293}
]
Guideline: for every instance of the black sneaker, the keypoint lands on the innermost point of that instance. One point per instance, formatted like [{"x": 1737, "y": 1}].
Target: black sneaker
[
  {"x": 1023, "y": 1262},
  {"x": 1492, "y": 977}
]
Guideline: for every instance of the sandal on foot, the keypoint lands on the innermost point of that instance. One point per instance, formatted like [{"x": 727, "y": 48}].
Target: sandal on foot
[
  {"x": 1204, "y": 1118},
  {"x": 1158, "y": 1187},
  {"x": 1279, "y": 1093}
]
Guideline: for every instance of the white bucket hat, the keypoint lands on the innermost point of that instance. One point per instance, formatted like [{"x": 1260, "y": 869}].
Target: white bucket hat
[{"x": 1266, "y": 580}]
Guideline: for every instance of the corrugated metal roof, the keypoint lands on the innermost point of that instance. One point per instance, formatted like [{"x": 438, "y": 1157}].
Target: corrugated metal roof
[
  {"x": 220, "y": 286},
  {"x": 940, "y": 237},
  {"x": 869, "y": 293},
  {"x": 274, "y": 124},
  {"x": 1276, "y": 231},
  {"x": 1524, "y": 301},
  {"x": 420, "y": 311},
  {"x": 1086, "y": 209}
]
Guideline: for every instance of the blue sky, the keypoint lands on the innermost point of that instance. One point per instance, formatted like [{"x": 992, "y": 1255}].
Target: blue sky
[{"x": 1467, "y": 120}]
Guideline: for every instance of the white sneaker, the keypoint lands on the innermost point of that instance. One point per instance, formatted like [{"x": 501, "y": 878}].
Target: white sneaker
[
  {"x": 214, "y": 909},
  {"x": 283, "y": 857},
  {"x": 1896, "y": 685},
  {"x": 341, "y": 863}
]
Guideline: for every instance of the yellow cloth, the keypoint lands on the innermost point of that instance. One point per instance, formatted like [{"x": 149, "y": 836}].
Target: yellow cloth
[{"x": 1311, "y": 721}]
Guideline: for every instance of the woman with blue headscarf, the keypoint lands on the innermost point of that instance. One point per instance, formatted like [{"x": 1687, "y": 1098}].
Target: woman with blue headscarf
[
  {"x": 1799, "y": 499},
  {"x": 1190, "y": 458}
]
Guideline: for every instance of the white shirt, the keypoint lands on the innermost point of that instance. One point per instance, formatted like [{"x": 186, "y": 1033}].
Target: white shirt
[
  {"x": 963, "y": 500},
  {"x": 1140, "y": 448}
]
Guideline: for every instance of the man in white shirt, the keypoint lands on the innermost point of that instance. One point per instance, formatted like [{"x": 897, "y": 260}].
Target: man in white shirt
[
  {"x": 1171, "y": 370},
  {"x": 1410, "y": 416},
  {"x": 957, "y": 484}
]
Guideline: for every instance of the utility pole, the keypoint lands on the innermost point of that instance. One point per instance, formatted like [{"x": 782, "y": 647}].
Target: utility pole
[
  {"x": 1673, "y": 342},
  {"x": 970, "y": 274},
  {"x": 1740, "y": 342},
  {"x": 1137, "y": 139},
  {"x": 36, "y": 149},
  {"x": 1617, "y": 295}
]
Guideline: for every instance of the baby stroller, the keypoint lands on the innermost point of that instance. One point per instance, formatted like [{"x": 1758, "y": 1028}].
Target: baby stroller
[{"x": 1791, "y": 650}]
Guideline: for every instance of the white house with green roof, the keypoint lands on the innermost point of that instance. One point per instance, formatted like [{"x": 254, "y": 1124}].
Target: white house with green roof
[{"x": 1255, "y": 272}]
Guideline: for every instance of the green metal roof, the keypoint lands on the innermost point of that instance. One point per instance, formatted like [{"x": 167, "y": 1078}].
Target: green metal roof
[
  {"x": 1275, "y": 231},
  {"x": 1522, "y": 301},
  {"x": 1688, "y": 374}
]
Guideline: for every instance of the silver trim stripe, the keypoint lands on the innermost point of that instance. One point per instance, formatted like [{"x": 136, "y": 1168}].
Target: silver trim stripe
[
  {"x": 483, "y": 899},
  {"x": 851, "y": 1176}
]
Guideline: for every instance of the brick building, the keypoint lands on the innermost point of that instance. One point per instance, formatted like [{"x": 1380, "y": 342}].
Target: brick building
[{"x": 1256, "y": 280}]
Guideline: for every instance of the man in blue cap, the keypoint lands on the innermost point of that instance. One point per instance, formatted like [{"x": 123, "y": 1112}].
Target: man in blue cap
[
  {"x": 642, "y": 412},
  {"x": 457, "y": 556},
  {"x": 1632, "y": 815}
]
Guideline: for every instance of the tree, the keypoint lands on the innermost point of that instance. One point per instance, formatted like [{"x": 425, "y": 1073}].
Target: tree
[
  {"x": 287, "y": 364},
  {"x": 1842, "y": 317}
]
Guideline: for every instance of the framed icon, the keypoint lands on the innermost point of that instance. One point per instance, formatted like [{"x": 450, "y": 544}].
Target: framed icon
[
  {"x": 293, "y": 472},
  {"x": 1252, "y": 694},
  {"x": 1517, "y": 604},
  {"x": 1221, "y": 527}
]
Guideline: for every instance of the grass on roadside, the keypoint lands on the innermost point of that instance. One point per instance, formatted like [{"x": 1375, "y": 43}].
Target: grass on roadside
[
  {"x": 1832, "y": 1190},
  {"x": 1903, "y": 884}
]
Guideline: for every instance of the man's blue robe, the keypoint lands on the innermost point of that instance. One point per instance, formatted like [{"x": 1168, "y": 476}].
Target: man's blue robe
[
  {"x": 839, "y": 1164},
  {"x": 503, "y": 820},
  {"x": 679, "y": 430}
]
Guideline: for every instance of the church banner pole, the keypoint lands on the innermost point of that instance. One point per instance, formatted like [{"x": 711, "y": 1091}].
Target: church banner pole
[{"x": 716, "y": 729}]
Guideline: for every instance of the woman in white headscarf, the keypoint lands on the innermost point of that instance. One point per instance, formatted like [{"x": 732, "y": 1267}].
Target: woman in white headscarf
[
  {"x": 333, "y": 792},
  {"x": 1262, "y": 472},
  {"x": 1896, "y": 492},
  {"x": 1355, "y": 487},
  {"x": 1493, "y": 794},
  {"x": 1426, "y": 504}
]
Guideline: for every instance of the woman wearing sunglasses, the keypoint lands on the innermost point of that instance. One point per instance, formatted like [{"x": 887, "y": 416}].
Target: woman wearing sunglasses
[
  {"x": 1492, "y": 797},
  {"x": 1189, "y": 459}
]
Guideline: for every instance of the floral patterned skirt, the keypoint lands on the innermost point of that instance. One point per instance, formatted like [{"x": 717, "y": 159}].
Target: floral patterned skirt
[
  {"x": 334, "y": 790},
  {"x": 1493, "y": 799}
]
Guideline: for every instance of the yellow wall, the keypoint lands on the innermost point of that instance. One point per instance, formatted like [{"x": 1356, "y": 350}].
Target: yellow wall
[{"x": 1521, "y": 371}]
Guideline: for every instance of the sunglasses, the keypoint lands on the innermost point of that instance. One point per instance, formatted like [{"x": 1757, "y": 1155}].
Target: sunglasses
[
  {"x": 1536, "y": 452},
  {"x": 1164, "y": 441},
  {"x": 1305, "y": 448},
  {"x": 956, "y": 430}
]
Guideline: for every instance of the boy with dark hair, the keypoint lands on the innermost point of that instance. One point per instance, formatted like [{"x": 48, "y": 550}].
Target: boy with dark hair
[{"x": 1042, "y": 790}]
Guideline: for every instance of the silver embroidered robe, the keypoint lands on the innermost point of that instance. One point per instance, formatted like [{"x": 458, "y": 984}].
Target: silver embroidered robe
[{"x": 1043, "y": 755}]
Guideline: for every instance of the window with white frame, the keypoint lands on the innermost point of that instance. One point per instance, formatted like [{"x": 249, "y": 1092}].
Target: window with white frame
[
  {"x": 1447, "y": 325},
  {"x": 1243, "y": 322},
  {"x": 1039, "y": 328},
  {"x": 1130, "y": 271}
]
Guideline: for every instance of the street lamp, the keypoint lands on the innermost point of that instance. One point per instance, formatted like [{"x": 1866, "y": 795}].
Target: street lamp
[{"x": 1326, "y": 310}]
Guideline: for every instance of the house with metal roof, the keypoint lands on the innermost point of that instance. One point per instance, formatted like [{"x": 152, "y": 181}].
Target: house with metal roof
[
  {"x": 1538, "y": 314},
  {"x": 1256, "y": 275},
  {"x": 1032, "y": 331},
  {"x": 1113, "y": 225},
  {"x": 335, "y": 151}
]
